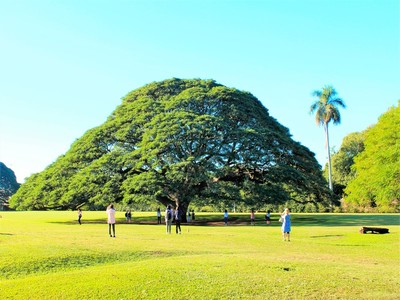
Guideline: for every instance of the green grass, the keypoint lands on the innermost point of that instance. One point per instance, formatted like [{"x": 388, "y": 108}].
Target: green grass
[{"x": 47, "y": 255}]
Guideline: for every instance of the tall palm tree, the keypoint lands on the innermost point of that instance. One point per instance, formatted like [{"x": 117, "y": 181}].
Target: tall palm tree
[{"x": 327, "y": 110}]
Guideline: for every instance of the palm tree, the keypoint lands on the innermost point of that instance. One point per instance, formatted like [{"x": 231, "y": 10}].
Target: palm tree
[{"x": 327, "y": 110}]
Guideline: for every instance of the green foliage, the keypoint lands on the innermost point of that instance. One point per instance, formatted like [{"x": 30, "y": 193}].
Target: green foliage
[
  {"x": 326, "y": 108},
  {"x": 343, "y": 160},
  {"x": 377, "y": 183},
  {"x": 175, "y": 142}
]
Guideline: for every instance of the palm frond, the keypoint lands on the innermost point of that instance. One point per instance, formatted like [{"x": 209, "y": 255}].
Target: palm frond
[
  {"x": 316, "y": 93},
  {"x": 338, "y": 102},
  {"x": 314, "y": 107}
]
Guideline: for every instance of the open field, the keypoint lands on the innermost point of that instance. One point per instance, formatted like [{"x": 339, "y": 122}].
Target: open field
[{"x": 47, "y": 255}]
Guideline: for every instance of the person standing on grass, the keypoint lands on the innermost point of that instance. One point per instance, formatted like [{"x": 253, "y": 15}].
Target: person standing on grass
[
  {"x": 268, "y": 217},
  {"x": 252, "y": 217},
  {"x": 79, "y": 216},
  {"x": 128, "y": 216},
  {"x": 286, "y": 224},
  {"x": 226, "y": 217},
  {"x": 158, "y": 216},
  {"x": 168, "y": 219},
  {"x": 178, "y": 218},
  {"x": 111, "y": 219},
  {"x": 188, "y": 216}
]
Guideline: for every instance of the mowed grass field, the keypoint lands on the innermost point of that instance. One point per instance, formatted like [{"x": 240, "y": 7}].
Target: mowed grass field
[{"x": 48, "y": 255}]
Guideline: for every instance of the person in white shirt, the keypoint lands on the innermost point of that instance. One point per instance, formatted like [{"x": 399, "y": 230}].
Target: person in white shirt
[
  {"x": 111, "y": 219},
  {"x": 79, "y": 216}
]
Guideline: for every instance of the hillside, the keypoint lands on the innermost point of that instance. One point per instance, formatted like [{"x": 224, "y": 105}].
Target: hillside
[{"x": 8, "y": 184}]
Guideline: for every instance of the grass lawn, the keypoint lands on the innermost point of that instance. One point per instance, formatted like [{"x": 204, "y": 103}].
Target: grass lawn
[{"x": 48, "y": 255}]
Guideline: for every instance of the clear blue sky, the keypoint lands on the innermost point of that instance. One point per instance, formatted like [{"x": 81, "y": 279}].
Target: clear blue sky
[{"x": 64, "y": 65}]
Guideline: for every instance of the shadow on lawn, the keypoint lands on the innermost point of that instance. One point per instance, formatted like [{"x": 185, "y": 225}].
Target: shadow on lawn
[
  {"x": 244, "y": 219},
  {"x": 346, "y": 220}
]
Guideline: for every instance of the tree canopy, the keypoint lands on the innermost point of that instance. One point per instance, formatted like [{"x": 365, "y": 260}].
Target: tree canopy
[
  {"x": 343, "y": 160},
  {"x": 377, "y": 168},
  {"x": 174, "y": 142}
]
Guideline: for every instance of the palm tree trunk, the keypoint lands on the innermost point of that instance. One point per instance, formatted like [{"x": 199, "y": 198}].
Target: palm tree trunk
[{"x": 329, "y": 158}]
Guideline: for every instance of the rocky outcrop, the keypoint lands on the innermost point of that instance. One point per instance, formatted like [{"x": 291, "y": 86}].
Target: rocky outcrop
[{"x": 8, "y": 185}]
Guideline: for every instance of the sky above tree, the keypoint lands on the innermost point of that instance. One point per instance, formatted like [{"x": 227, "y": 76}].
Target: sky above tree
[{"x": 67, "y": 64}]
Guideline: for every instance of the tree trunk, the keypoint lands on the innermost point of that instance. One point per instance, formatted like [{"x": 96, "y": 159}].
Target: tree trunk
[
  {"x": 182, "y": 204},
  {"x": 329, "y": 158},
  {"x": 183, "y": 207}
]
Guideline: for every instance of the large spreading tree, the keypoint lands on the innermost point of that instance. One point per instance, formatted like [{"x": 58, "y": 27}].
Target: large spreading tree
[{"x": 177, "y": 141}]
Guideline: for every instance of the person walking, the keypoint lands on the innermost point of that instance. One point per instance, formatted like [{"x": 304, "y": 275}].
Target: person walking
[
  {"x": 168, "y": 219},
  {"x": 226, "y": 217},
  {"x": 286, "y": 224},
  {"x": 178, "y": 218},
  {"x": 79, "y": 216},
  {"x": 158, "y": 216},
  {"x": 111, "y": 220}
]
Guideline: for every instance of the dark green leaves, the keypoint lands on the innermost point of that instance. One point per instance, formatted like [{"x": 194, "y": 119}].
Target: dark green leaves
[{"x": 176, "y": 141}]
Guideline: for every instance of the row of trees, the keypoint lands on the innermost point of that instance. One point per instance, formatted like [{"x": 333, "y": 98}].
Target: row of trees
[
  {"x": 178, "y": 142},
  {"x": 366, "y": 168}
]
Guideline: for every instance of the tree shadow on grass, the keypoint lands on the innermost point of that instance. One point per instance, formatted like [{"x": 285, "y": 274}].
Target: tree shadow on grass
[
  {"x": 327, "y": 236},
  {"x": 345, "y": 220},
  {"x": 327, "y": 220}
]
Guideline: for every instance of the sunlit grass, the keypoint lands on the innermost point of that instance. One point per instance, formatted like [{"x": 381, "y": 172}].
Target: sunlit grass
[{"x": 47, "y": 255}]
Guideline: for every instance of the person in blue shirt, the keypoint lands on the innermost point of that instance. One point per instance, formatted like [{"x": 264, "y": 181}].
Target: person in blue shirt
[
  {"x": 226, "y": 217},
  {"x": 286, "y": 224}
]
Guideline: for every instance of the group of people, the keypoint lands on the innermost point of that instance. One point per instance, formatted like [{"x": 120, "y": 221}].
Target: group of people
[
  {"x": 190, "y": 215},
  {"x": 284, "y": 219},
  {"x": 128, "y": 216},
  {"x": 252, "y": 217},
  {"x": 110, "y": 219},
  {"x": 175, "y": 215}
]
